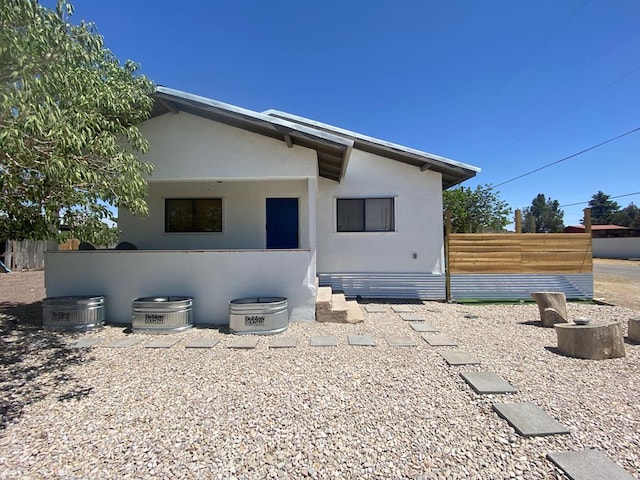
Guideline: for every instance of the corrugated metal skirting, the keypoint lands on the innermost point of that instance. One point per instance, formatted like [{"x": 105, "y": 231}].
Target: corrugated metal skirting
[
  {"x": 423, "y": 286},
  {"x": 519, "y": 286}
]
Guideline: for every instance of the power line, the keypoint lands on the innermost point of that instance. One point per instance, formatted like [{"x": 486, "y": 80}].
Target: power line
[
  {"x": 569, "y": 157},
  {"x": 582, "y": 203}
]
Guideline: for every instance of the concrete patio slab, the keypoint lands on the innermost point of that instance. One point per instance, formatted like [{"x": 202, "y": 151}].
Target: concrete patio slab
[
  {"x": 202, "y": 342},
  {"x": 457, "y": 357},
  {"x": 166, "y": 342},
  {"x": 244, "y": 342},
  {"x": 323, "y": 341},
  {"x": 123, "y": 342},
  {"x": 361, "y": 340},
  {"x": 588, "y": 465},
  {"x": 284, "y": 342},
  {"x": 439, "y": 340},
  {"x": 424, "y": 327},
  {"x": 394, "y": 341},
  {"x": 375, "y": 308},
  {"x": 402, "y": 309},
  {"x": 529, "y": 420},
  {"x": 85, "y": 342},
  {"x": 487, "y": 382},
  {"x": 413, "y": 317}
]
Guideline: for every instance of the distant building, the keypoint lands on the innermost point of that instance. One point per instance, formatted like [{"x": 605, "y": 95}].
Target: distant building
[{"x": 605, "y": 231}]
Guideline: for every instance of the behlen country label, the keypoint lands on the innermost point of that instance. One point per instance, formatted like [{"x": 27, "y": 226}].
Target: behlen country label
[{"x": 253, "y": 320}]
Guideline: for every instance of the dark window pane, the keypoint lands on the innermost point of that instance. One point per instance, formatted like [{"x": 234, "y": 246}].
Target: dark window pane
[
  {"x": 207, "y": 215},
  {"x": 379, "y": 214},
  {"x": 350, "y": 214},
  {"x": 179, "y": 215}
]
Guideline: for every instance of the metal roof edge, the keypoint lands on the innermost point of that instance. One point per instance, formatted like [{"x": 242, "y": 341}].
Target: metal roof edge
[
  {"x": 308, "y": 130},
  {"x": 365, "y": 138}
]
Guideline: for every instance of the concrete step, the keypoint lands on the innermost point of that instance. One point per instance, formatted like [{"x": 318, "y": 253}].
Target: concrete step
[
  {"x": 354, "y": 313},
  {"x": 323, "y": 300},
  {"x": 338, "y": 311}
]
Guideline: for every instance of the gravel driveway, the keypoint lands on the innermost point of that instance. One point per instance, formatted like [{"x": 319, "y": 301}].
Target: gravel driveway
[{"x": 316, "y": 412}]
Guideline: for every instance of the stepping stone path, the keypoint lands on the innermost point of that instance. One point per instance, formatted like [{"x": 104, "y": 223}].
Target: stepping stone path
[
  {"x": 323, "y": 341},
  {"x": 529, "y": 420},
  {"x": 361, "y": 340},
  {"x": 400, "y": 341},
  {"x": 588, "y": 465},
  {"x": 284, "y": 342},
  {"x": 244, "y": 343},
  {"x": 202, "y": 343},
  {"x": 487, "y": 382},
  {"x": 423, "y": 327},
  {"x": 402, "y": 309},
  {"x": 439, "y": 340},
  {"x": 375, "y": 309},
  {"x": 413, "y": 317},
  {"x": 123, "y": 342},
  {"x": 162, "y": 343},
  {"x": 456, "y": 357},
  {"x": 85, "y": 342}
]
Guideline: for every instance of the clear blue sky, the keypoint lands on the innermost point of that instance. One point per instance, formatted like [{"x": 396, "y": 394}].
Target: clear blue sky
[{"x": 505, "y": 85}]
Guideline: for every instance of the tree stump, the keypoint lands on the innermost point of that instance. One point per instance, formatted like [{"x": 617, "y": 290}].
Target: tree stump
[
  {"x": 634, "y": 329},
  {"x": 595, "y": 341},
  {"x": 553, "y": 307}
]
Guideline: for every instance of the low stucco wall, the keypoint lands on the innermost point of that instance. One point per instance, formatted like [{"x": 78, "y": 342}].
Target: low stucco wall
[
  {"x": 616, "y": 247},
  {"x": 211, "y": 277}
]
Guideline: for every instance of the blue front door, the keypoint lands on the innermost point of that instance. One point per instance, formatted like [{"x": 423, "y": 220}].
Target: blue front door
[{"x": 282, "y": 223}]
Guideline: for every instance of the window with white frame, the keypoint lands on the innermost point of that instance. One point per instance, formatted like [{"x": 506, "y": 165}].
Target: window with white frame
[
  {"x": 365, "y": 214},
  {"x": 183, "y": 215}
]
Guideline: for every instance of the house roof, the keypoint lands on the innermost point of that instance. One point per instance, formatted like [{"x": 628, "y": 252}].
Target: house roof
[
  {"x": 453, "y": 172},
  {"x": 333, "y": 145}
]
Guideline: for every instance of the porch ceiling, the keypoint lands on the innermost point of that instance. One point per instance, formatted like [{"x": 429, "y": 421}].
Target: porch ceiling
[{"x": 332, "y": 150}]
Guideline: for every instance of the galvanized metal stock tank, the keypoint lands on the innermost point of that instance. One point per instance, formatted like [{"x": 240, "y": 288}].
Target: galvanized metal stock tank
[
  {"x": 258, "y": 316},
  {"x": 162, "y": 314},
  {"x": 73, "y": 314}
]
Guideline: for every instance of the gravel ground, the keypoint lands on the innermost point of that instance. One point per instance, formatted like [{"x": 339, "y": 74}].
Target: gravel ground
[{"x": 316, "y": 412}]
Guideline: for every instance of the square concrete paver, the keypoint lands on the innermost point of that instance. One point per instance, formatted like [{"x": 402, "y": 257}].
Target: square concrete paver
[
  {"x": 529, "y": 420},
  {"x": 166, "y": 342},
  {"x": 244, "y": 342},
  {"x": 457, "y": 357},
  {"x": 423, "y": 327},
  {"x": 439, "y": 340},
  {"x": 588, "y": 465},
  {"x": 202, "y": 342},
  {"x": 402, "y": 309},
  {"x": 85, "y": 342},
  {"x": 375, "y": 308},
  {"x": 123, "y": 342},
  {"x": 323, "y": 341},
  {"x": 487, "y": 382},
  {"x": 284, "y": 342},
  {"x": 361, "y": 340},
  {"x": 413, "y": 317},
  {"x": 394, "y": 341}
]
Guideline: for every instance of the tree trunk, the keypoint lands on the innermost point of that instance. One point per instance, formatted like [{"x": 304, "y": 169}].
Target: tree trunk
[{"x": 553, "y": 307}]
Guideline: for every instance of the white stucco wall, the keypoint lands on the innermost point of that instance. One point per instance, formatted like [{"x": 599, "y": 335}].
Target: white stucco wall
[
  {"x": 418, "y": 219},
  {"x": 212, "y": 278},
  {"x": 187, "y": 147},
  {"x": 616, "y": 247},
  {"x": 243, "y": 209}
]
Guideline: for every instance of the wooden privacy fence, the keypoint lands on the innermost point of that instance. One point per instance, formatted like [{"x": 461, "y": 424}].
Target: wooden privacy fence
[{"x": 509, "y": 266}]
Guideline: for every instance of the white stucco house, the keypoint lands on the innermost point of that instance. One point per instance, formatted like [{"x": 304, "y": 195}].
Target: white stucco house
[{"x": 246, "y": 204}]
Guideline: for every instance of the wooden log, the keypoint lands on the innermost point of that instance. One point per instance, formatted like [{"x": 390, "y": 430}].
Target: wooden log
[
  {"x": 594, "y": 341},
  {"x": 552, "y": 306}
]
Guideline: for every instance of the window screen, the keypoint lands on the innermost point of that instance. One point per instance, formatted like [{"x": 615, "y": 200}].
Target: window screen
[
  {"x": 365, "y": 215},
  {"x": 193, "y": 215}
]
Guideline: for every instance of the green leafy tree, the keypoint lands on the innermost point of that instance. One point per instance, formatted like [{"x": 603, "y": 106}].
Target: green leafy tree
[
  {"x": 602, "y": 208},
  {"x": 68, "y": 134},
  {"x": 473, "y": 211},
  {"x": 629, "y": 216},
  {"x": 543, "y": 216}
]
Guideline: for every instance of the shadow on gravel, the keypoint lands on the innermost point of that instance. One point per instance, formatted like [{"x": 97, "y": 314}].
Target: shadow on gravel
[
  {"x": 532, "y": 323},
  {"x": 33, "y": 362}
]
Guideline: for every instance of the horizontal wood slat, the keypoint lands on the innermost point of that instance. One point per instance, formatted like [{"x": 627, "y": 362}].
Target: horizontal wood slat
[{"x": 520, "y": 253}]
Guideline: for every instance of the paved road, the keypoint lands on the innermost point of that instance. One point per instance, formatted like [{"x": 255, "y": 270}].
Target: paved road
[{"x": 631, "y": 271}]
